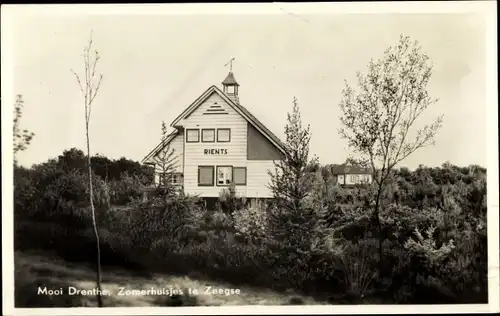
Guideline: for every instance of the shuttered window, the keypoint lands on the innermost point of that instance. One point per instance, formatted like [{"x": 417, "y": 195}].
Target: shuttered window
[
  {"x": 240, "y": 175},
  {"x": 206, "y": 175}
]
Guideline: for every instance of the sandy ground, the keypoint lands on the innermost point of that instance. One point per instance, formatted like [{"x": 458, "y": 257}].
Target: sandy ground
[{"x": 123, "y": 289}]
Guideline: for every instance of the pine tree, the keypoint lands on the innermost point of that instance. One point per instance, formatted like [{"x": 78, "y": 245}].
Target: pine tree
[
  {"x": 295, "y": 223},
  {"x": 166, "y": 162}
]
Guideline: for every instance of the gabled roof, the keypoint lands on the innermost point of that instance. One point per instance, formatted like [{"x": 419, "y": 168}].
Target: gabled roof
[
  {"x": 160, "y": 146},
  {"x": 238, "y": 108},
  {"x": 347, "y": 169}
]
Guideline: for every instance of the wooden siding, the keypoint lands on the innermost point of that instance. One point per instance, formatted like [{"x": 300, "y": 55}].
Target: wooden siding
[
  {"x": 349, "y": 181},
  {"x": 259, "y": 147},
  {"x": 258, "y": 179},
  {"x": 176, "y": 144},
  {"x": 195, "y": 156}
]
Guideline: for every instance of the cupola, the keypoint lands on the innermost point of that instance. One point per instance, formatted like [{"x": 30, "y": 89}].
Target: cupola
[{"x": 230, "y": 85}]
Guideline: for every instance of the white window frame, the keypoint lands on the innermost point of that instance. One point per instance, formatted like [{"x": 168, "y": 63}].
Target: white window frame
[
  {"x": 229, "y": 135},
  {"x": 246, "y": 175},
  {"x": 203, "y": 131},
  {"x": 213, "y": 176},
  {"x": 191, "y": 130},
  {"x": 227, "y": 177},
  {"x": 172, "y": 180},
  {"x": 176, "y": 179}
]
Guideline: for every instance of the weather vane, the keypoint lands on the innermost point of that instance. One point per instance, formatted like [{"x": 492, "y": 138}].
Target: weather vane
[{"x": 230, "y": 63}]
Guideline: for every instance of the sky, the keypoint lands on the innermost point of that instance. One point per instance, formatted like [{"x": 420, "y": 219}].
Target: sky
[{"x": 156, "y": 65}]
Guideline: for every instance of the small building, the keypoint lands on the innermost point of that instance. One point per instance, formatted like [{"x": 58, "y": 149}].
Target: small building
[
  {"x": 218, "y": 143},
  {"x": 351, "y": 175}
]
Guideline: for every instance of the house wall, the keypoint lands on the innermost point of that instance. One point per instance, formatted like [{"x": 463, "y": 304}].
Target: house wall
[
  {"x": 358, "y": 178},
  {"x": 195, "y": 156},
  {"x": 247, "y": 148},
  {"x": 258, "y": 178},
  {"x": 176, "y": 145},
  {"x": 341, "y": 179}
]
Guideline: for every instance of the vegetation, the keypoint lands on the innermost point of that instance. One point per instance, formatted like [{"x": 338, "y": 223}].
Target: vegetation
[
  {"x": 313, "y": 238},
  {"x": 380, "y": 118},
  {"x": 22, "y": 138},
  {"x": 435, "y": 224}
]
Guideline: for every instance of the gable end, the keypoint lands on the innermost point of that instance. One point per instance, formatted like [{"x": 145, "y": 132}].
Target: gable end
[
  {"x": 259, "y": 147},
  {"x": 237, "y": 107}
]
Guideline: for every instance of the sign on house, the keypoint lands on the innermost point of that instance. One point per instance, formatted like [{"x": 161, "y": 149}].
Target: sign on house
[{"x": 215, "y": 151}]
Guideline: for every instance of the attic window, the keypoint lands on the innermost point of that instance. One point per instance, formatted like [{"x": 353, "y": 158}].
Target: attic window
[
  {"x": 223, "y": 135},
  {"x": 208, "y": 135},
  {"x": 192, "y": 135}
]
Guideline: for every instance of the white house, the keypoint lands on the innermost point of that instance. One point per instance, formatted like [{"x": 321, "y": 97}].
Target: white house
[
  {"x": 351, "y": 175},
  {"x": 217, "y": 143}
]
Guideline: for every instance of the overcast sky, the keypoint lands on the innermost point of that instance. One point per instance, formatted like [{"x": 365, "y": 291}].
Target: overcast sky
[{"x": 154, "y": 66}]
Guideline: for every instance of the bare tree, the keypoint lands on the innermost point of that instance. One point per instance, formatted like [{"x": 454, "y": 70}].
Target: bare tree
[
  {"x": 89, "y": 86},
  {"x": 22, "y": 138},
  {"x": 379, "y": 118},
  {"x": 166, "y": 160}
]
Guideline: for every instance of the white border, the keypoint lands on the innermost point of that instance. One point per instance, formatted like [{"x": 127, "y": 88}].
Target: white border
[{"x": 487, "y": 8}]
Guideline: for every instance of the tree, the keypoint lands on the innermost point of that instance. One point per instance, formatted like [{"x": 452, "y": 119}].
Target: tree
[
  {"x": 379, "y": 118},
  {"x": 22, "y": 139},
  {"x": 166, "y": 160},
  {"x": 295, "y": 222},
  {"x": 89, "y": 86}
]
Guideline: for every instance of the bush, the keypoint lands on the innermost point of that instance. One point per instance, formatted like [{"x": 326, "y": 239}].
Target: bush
[
  {"x": 357, "y": 265},
  {"x": 252, "y": 222},
  {"x": 433, "y": 219},
  {"x": 228, "y": 200}
]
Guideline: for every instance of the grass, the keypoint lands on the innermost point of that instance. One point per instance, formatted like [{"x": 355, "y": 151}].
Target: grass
[{"x": 33, "y": 270}]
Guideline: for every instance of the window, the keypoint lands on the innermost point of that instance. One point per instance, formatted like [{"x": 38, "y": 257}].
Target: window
[
  {"x": 352, "y": 178},
  {"x": 223, "y": 135},
  {"x": 192, "y": 136},
  {"x": 208, "y": 135},
  {"x": 176, "y": 179},
  {"x": 206, "y": 176},
  {"x": 240, "y": 175},
  {"x": 173, "y": 179},
  {"x": 231, "y": 89},
  {"x": 224, "y": 175}
]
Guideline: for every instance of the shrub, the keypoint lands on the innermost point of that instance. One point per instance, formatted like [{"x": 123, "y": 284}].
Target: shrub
[
  {"x": 251, "y": 223},
  {"x": 357, "y": 264},
  {"x": 228, "y": 200},
  {"x": 126, "y": 189}
]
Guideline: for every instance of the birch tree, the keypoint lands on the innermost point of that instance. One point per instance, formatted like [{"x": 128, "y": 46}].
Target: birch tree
[
  {"x": 89, "y": 85},
  {"x": 380, "y": 117}
]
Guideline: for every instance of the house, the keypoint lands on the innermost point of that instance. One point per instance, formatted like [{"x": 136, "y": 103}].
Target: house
[
  {"x": 351, "y": 175},
  {"x": 218, "y": 143}
]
